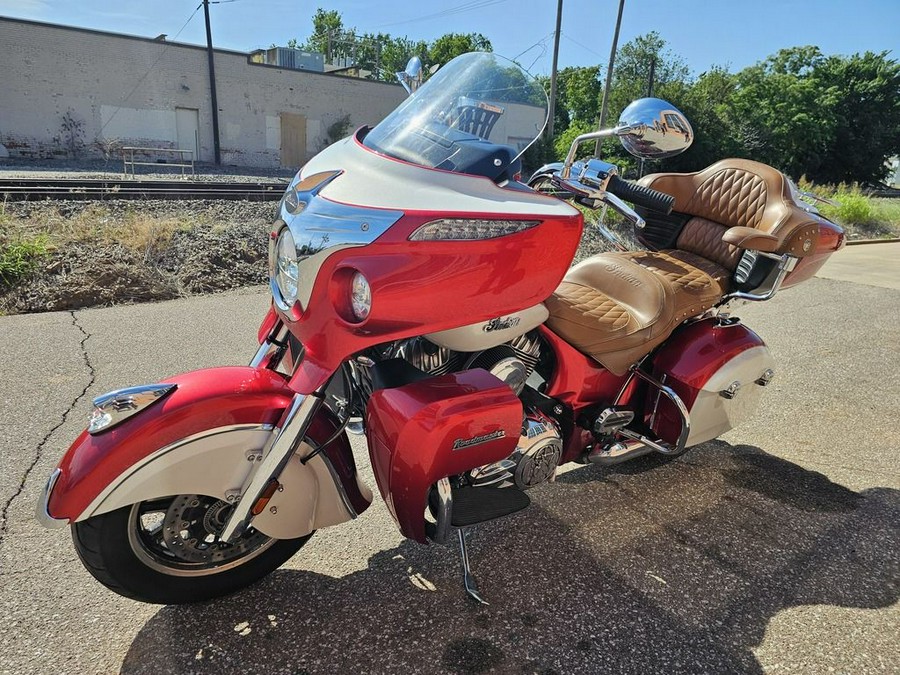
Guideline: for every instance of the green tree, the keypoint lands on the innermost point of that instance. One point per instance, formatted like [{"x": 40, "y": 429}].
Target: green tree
[
  {"x": 631, "y": 76},
  {"x": 452, "y": 45},
  {"x": 832, "y": 118},
  {"x": 706, "y": 104},
  {"x": 578, "y": 91},
  {"x": 381, "y": 54},
  {"x": 328, "y": 28},
  {"x": 865, "y": 90}
]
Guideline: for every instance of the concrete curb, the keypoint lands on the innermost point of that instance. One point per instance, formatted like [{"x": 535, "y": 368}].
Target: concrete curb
[{"x": 855, "y": 242}]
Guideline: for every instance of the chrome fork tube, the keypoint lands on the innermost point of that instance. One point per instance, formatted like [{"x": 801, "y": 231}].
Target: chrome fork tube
[
  {"x": 261, "y": 354},
  {"x": 293, "y": 429}
]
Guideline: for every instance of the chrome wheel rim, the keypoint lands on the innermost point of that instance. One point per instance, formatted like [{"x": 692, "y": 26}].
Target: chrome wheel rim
[{"x": 179, "y": 536}]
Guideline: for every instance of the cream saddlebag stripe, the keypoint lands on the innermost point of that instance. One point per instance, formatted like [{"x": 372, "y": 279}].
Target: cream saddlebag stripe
[{"x": 218, "y": 463}]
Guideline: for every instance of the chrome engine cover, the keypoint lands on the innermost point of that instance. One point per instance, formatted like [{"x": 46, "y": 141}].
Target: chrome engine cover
[{"x": 534, "y": 461}]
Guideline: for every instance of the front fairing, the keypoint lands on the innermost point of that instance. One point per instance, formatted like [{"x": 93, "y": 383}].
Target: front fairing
[{"x": 361, "y": 221}]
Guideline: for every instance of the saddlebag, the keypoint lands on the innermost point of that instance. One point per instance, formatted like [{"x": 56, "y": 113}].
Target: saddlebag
[{"x": 718, "y": 368}]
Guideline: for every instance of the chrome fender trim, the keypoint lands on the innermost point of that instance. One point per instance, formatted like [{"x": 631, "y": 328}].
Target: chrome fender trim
[{"x": 43, "y": 513}]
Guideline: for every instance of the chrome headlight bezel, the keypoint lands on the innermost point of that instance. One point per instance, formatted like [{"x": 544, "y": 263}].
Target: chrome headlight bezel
[{"x": 284, "y": 269}]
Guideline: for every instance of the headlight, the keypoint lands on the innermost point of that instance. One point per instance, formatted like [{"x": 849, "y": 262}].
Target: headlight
[
  {"x": 360, "y": 296},
  {"x": 287, "y": 269}
]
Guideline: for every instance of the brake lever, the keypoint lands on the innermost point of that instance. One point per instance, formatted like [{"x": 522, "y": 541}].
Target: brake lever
[{"x": 624, "y": 210}]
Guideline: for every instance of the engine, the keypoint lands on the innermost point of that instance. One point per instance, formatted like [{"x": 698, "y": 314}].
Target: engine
[
  {"x": 534, "y": 461},
  {"x": 539, "y": 449},
  {"x": 513, "y": 362}
]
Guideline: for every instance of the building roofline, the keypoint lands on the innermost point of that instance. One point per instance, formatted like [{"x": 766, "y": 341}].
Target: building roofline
[
  {"x": 127, "y": 36},
  {"x": 183, "y": 45}
]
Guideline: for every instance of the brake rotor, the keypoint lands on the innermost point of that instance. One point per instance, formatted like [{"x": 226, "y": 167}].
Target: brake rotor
[{"x": 192, "y": 527}]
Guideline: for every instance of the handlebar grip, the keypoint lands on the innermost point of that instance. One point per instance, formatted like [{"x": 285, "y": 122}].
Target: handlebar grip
[{"x": 640, "y": 195}]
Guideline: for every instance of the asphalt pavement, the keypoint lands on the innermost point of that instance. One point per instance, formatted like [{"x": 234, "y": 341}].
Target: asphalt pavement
[{"x": 774, "y": 549}]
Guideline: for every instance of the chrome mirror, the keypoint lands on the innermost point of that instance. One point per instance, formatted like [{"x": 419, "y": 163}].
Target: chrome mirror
[
  {"x": 651, "y": 128},
  {"x": 411, "y": 78}
]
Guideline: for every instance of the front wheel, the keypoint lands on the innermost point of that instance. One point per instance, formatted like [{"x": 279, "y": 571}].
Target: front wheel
[{"x": 168, "y": 550}]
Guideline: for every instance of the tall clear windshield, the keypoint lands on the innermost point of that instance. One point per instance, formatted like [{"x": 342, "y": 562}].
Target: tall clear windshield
[{"x": 476, "y": 111}]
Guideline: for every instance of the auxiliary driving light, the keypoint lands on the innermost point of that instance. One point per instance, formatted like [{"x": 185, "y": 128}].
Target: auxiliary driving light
[{"x": 360, "y": 296}]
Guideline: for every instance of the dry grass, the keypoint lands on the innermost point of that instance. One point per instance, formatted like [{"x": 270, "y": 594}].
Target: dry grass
[
  {"x": 67, "y": 255},
  {"x": 144, "y": 234}
]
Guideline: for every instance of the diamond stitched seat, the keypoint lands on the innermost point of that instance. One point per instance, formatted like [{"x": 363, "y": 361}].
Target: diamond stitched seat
[{"x": 612, "y": 309}]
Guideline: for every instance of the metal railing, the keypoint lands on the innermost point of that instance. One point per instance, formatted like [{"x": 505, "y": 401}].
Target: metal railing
[{"x": 185, "y": 158}]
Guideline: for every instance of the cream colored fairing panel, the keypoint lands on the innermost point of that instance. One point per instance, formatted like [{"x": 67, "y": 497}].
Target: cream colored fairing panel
[
  {"x": 487, "y": 334},
  {"x": 387, "y": 183},
  {"x": 218, "y": 463}
]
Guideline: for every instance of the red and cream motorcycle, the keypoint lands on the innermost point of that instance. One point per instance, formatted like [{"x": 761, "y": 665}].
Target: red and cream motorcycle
[{"x": 423, "y": 296}]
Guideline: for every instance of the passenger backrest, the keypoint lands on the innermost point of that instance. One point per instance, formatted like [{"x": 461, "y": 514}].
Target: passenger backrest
[{"x": 735, "y": 193}]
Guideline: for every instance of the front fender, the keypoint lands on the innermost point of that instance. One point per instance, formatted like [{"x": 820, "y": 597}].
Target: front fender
[{"x": 203, "y": 438}]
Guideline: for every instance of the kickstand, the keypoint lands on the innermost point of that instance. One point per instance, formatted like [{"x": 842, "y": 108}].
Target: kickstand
[{"x": 468, "y": 578}]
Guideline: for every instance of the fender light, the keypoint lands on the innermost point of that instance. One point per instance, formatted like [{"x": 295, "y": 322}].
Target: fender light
[
  {"x": 117, "y": 406},
  {"x": 465, "y": 229}
]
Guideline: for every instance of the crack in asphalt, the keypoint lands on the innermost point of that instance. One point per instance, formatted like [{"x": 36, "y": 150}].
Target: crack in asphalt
[{"x": 4, "y": 512}]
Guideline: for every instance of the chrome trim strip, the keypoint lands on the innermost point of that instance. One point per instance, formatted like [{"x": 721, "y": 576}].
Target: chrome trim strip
[
  {"x": 99, "y": 500},
  {"x": 42, "y": 513},
  {"x": 445, "y": 507},
  {"x": 114, "y": 407},
  {"x": 257, "y": 360},
  {"x": 320, "y": 229},
  {"x": 284, "y": 445}
]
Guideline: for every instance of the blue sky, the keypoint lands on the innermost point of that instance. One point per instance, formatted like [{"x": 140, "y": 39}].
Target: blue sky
[{"x": 703, "y": 32}]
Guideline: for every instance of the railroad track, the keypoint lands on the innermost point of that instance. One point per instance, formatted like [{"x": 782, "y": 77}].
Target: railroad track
[{"x": 31, "y": 189}]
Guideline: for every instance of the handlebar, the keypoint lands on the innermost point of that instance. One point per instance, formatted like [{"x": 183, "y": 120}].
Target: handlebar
[{"x": 640, "y": 195}]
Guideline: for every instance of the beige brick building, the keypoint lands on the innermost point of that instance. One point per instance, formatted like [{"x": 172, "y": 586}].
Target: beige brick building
[{"x": 66, "y": 91}]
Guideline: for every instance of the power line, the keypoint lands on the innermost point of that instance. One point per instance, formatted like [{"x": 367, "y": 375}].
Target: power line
[
  {"x": 583, "y": 46},
  {"x": 539, "y": 43},
  {"x": 150, "y": 69}
]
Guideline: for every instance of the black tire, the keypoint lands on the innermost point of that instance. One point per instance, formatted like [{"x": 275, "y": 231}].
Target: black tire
[{"x": 133, "y": 562}]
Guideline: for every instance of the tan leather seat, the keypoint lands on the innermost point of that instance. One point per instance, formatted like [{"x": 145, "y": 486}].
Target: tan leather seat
[
  {"x": 617, "y": 307},
  {"x": 612, "y": 309},
  {"x": 697, "y": 283},
  {"x": 737, "y": 193}
]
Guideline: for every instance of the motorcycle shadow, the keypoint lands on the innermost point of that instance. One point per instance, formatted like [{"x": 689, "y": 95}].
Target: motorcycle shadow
[{"x": 624, "y": 569}]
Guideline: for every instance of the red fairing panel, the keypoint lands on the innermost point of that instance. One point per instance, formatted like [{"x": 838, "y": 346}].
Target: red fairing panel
[
  {"x": 204, "y": 399},
  {"x": 461, "y": 282},
  {"x": 428, "y": 430}
]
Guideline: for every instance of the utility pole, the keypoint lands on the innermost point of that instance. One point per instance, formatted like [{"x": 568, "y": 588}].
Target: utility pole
[
  {"x": 553, "y": 71},
  {"x": 212, "y": 86},
  {"x": 609, "y": 72}
]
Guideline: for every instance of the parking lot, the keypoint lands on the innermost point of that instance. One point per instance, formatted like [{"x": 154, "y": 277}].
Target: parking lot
[{"x": 774, "y": 549}]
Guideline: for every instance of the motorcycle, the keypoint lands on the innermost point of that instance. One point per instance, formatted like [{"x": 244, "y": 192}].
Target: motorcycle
[{"x": 422, "y": 296}]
